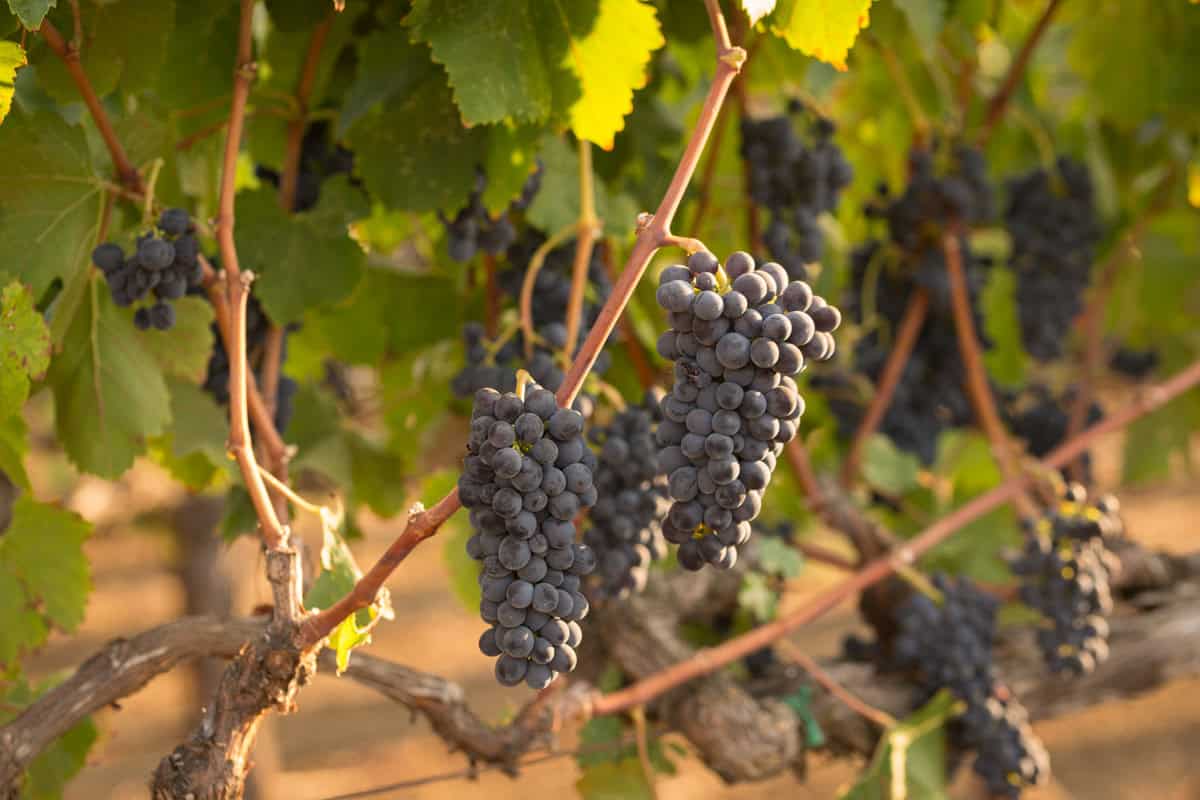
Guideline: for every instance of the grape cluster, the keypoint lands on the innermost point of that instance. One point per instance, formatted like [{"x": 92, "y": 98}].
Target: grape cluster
[
  {"x": 216, "y": 377},
  {"x": 1064, "y": 570},
  {"x": 472, "y": 229},
  {"x": 164, "y": 263},
  {"x": 495, "y": 366},
  {"x": 1134, "y": 363},
  {"x": 1051, "y": 218},
  {"x": 526, "y": 476},
  {"x": 626, "y": 523},
  {"x": 738, "y": 337},
  {"x": 1041, "y": 419},
  {"x": 949, "y": 646},
  {"x": 321, "y": 158},
  {"x": 930, "y": 397},
  {"x": 796, "y": 178}
]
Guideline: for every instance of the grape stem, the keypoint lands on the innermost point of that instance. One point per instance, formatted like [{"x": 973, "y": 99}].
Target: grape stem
[
  {"x": 588, "y": 227},
  {"x": 712, "y": 659},
  {"x": 290, "y": 174},
  {"x": 893, "y": 369},
  {"x": 975, "y": 374},
  {"x": 829, "y": 683},
  {"x": 536, "y": 262},
  {"x": 653, "y": 234},
  {"x": 1003, "y": 95},
  {"x": 633, "y": 347},
  {"x": 643, "y": 750},
  {"x": 69, "y": 54},
  {"x": 1091, "y": 320}
]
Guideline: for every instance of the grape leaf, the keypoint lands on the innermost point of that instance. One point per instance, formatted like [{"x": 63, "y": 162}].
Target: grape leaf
[
  {"x": 199, "y": 430},
  {"x": 43, "y": 547},
  {"x": 377, "y": 476},
  {"x": 60, "y": 759},
  {"x": 302, "y": 261},
  {"x": 339, "y": 573},
  {"x": 777, "y": 558},
  {"x": 615, "y": 780},
  {"x": 22, "y": 629},
  {"x": 202, "y": 48},
  {"x": 511, "y": 159},
  {"x": 401, "y": 149},
  {"x": 756, "y": 596},
  {"x": 887, "y": 468},
  {"x": 911, "y": 756},
  {"x": 824, "y": 29},
  {"x": 531, "y": 60},
  {"x": 31, "y": 12},
  {"x": 109, "y": 394},
  {"x": 1006, "y": 360},
  {"x": 388, "y": 65},
  {"x": 240, "y": 518},
  {"x": 757, "y": 9},
  {"x": 50, "y": 201},
  {"x": 557, "y": 202},
  {"x": 12, "y": 58},
  {"x": 13, "y": 447},
  {"x": 123, "y": 44},
  {"x": 184, "y": 350},
  {"x": 24, "y": 347},
  {"x": 463, "y": 569},
  {"x": 289, "y": 15},
  {"x": 925, "y": 19}
]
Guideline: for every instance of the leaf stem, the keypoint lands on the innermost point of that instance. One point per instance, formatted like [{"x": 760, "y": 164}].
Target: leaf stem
[
  {"x": 587, "y": 229},
  {"x": 830, "y": 684},
  {"x": 531, "y": 273}
]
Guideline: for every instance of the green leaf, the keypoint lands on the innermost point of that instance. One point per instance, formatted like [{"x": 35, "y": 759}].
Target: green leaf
[
  {"x": 925, "y": 18},
  {"x": 12, "y": 58},
  {"x": 303, "y": 260},
  {"x": 776, "y": 557},
  {"x": 377, "y": 476},
  {"x": 49, "y": 773},
  {"x": 615, "y": 780},
  {"x": 910, "y": 760},
  {"x": 1005, "y": 360},
  {"x": 43, "y": 546},
  {"x": 824, "y": 29},
  {"x": 109, "y": 394},
  {"x": 339, "y": 573},
  {"x": 199, "y": 426},
  {"x": 14, "y": 445},
  {"x": 31, "y": 12},
  {"x": 388, "y": 65},
  {"x": 184, "y": 350},
  {"x": 240, "y": 518},
  {"x": 511, "y": 159},
  {"x": 463, "y": 569},
  {"x": 24, "y": 347},
  {"x": 756, "y": 596},
  {"x": 124, "y": 43},
  {"x": 50, "y": 202},
  {"x": 534, "y": 59},
  {"x": 889, "y": 469},
  {"x": 800, "y": 702},
  {"x": 401, "y": 150},
  {"x": 22, "y": 629},
  {"x": 557, "y": 202}
]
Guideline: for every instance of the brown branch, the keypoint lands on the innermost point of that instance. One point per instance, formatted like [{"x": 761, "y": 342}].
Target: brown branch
[
  {"x": 290, "y": 174},
  {"x": 653, "y": 232},
  {"x": 797, "y": 455},
  {"x": 977, "y": 386},
  {"x": 491, "y": 300},
  {"x": 823, "y": 555},
  {"x": 585, "y": 237},
  {"x": 710, "y": 660},
  {"x": 70, "y": 57},
  {"x": 1003, "y": 95},
  {"x": 272, "y": 360},
  {"x": 831, "y": 685},
  {"x": 1091, "y": 321},
  {"x": 907, "y": 334}
]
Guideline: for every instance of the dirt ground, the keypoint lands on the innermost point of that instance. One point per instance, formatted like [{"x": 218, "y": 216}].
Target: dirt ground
[{"x": 345, "y": 738}]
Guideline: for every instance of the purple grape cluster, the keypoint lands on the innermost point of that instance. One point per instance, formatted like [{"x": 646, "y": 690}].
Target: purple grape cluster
[
  {"x": 626, "y": 522},
  {"x": 1064, "y": 571},
  {"x": 164, "y": 263},
  {"x": 526, "y": 476},
  {"x": 472, "y": 229},
  {"x": 739, "y": 335}
]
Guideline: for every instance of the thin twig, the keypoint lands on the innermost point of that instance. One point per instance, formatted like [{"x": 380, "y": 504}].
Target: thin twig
[
  {"x": 525, "y": 301},
  {"x": 585, "y": 237},
  {"x": 290, "y": 174},
  {"x": 1091, "y": 321},
  {"x": 904, "y": 86},
  {"x": 829, "y": 684},
  {"x": 643, "y": 750},
  {"x": 797, "y": 456},
  {"x": 975, "y": 373},
  {"x": 712, "y": 659},
  {"x": 70, "y": 57},
  {"x": 823, "y": 555},
  {"x": 1003, "y": 95},
  {"x": 272, "y": 361},
  {"x": 893, "y": 369},
  {"x": 491, "y": 299},
  {"x": 653, "y": 232},
  {"x": 290, "y": 493}
]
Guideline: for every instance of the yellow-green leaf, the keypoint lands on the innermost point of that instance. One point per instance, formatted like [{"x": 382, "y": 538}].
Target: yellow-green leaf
[
  {"x": 824, "y": 29},
  {"x": 12, "y": 58}
]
